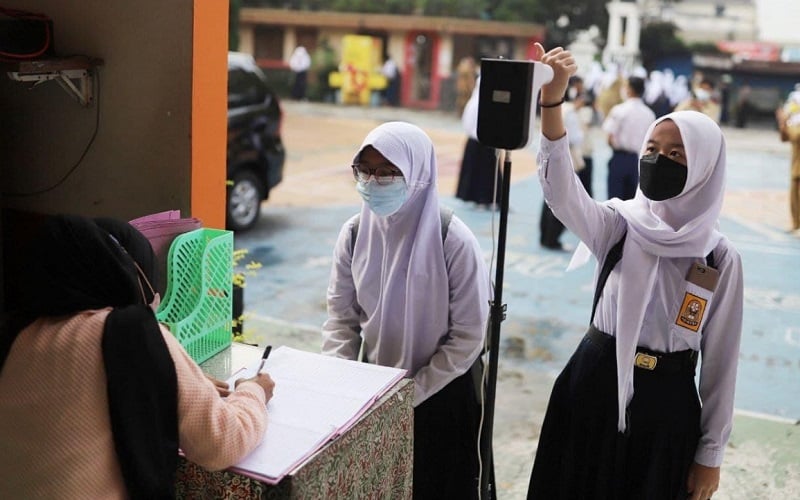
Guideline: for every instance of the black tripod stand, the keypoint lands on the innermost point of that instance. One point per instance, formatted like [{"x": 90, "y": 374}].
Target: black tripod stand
[{"x": 497, "y": 314}]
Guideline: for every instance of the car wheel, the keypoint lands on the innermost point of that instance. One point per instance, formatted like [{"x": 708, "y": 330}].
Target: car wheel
[{"x": 244, "y": 201}]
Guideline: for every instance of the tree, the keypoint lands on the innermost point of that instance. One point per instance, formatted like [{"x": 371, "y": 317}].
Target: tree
[
  {"x": 658, "y": 40},
  {"x": 562, "y": 18},
  {"x": 233, "y": 24}
]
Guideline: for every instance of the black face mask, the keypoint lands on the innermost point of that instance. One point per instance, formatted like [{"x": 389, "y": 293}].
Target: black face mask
[{"x": 661, "y": 178}]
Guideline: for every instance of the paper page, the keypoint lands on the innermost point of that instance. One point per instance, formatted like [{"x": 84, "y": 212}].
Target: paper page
[
  {"x": 294, "y": 444},
  {"x": 316, "y": 397}
]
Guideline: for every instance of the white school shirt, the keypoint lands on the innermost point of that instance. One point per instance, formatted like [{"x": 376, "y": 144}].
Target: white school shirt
[
  {"x": 627, "y": 124},
  {"x": 600, "y": 227}
]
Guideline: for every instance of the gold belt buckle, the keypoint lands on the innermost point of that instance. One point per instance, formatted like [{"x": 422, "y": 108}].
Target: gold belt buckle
[{"x": 645, "y": 361}]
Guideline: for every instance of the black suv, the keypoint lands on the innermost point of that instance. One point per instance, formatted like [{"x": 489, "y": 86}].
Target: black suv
[{"x": 255, "y": 150}]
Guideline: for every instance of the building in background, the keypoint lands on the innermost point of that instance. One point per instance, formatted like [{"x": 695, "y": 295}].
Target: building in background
[
  {"x": 755, "y": 57},
  {"x": 426, "y": 49},
  {"x": 705, "y": 20}
]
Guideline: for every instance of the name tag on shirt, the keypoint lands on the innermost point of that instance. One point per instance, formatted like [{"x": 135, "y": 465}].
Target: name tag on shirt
[
  {"x": 703, "y": 276},
  {"x": 702, "y": 281}
]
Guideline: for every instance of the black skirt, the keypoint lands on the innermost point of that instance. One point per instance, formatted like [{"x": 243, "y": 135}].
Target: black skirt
[
  {"x": 478, "y": 179},
  {"x": 581, "y": 454},
  {"x": 446, "y": 443}
]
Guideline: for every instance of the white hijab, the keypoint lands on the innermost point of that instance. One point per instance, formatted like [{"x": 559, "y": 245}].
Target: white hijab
[
  {"x": 683, "y": 226},
  {"x": 398, "y": 260}
]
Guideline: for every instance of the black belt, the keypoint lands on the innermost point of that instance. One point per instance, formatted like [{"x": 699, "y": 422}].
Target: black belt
[{"x": 646, "y": 359}]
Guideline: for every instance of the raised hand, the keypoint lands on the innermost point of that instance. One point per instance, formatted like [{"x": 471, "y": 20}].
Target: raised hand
[{"x": 564, "y": 66}]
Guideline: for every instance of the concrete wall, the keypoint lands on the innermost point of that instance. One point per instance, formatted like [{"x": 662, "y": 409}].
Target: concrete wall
[
  {"x": 140, "y": 160},
  {"x": 153, "y": 139}
]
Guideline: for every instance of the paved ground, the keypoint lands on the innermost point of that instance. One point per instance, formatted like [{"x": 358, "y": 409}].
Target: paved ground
[{"x": 547, "y": 308}]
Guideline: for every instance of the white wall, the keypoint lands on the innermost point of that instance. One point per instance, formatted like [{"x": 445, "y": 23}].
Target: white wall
[{"x": 778, "y": 21}]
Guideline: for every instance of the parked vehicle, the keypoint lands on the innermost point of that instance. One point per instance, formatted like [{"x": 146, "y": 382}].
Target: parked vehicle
[{"x": 255, "y": 150}]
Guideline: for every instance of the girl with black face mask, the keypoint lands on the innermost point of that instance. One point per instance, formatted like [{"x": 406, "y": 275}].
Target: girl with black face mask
[{"x": 624, "y": 419}]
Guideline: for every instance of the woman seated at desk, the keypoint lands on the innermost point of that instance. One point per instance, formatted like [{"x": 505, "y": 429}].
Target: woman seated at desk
[{"x": 96, "y": 396}]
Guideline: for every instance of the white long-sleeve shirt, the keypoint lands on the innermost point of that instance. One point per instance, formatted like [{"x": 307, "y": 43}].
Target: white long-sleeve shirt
[
  {"x": 432, "y": 358},
  {"x": 600, "y": 227},
  {"x": 626, "y": 124}
]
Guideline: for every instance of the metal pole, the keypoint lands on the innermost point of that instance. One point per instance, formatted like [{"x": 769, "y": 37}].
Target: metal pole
[{"x": 497, "y": 314}]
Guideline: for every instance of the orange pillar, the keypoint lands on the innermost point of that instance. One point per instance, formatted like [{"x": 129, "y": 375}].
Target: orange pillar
[{"x": 209, "y": 111}]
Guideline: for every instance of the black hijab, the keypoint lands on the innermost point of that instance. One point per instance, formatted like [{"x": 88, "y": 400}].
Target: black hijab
[{"x": 77, "y": 264}]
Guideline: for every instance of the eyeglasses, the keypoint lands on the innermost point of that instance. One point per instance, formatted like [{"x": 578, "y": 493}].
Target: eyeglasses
[
  {"x": 383, "y": 173},
  {"x": 141, "y": 276}
]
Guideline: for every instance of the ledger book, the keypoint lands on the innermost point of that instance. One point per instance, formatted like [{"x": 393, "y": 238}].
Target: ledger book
[{"x": 316, "y": 398}]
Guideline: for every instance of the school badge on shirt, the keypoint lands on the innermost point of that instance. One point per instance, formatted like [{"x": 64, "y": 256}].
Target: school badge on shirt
[
  {"x": 700, "y": 286},
  {"x": 691, "y": 313}
]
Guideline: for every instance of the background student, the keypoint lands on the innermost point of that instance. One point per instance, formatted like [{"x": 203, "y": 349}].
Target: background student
[
  {"x": 788, "y": 121},
  {"x": 625, "y": 126},
  {"x": 578, "y": 115},
  {"x": 479, "y": 179}
]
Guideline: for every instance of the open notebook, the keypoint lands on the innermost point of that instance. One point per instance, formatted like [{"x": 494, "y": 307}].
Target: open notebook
[{"x": 316, "y": 398}]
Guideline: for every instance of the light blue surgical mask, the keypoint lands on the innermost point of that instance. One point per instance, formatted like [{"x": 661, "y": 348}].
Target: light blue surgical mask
[{"x": 383, "y": 199}]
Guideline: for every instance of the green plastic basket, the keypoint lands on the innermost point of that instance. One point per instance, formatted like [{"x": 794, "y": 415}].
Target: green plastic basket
[{"x": 198, "y": 303}]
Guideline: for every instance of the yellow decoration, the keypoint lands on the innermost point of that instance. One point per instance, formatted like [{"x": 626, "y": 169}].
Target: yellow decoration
[{"x": 359, "y": 70}]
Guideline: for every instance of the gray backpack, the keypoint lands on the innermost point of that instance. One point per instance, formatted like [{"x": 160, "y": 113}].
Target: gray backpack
[{"x": 446, "y": 214}]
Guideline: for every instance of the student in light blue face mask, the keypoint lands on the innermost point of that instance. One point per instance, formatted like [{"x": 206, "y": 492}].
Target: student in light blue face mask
[
  {"x": 409, "y": 289},
  {"x": 380, "y": 184}
]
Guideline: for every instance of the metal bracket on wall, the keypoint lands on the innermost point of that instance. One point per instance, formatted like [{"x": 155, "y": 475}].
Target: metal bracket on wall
[{"x": 73, "y": 74}]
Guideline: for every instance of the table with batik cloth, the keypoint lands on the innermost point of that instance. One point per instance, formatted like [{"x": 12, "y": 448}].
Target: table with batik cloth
[{"x": 373, "y": 459}]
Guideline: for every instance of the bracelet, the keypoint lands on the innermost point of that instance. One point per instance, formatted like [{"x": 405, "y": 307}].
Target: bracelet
[{"x": 554, "y": 105}]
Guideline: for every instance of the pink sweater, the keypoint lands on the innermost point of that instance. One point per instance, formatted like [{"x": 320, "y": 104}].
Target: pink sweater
[{"x": 55, "y": 432}]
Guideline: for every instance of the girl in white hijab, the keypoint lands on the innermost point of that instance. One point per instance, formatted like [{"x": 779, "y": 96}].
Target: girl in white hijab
[
  {"x": 416, "y": 295},
  {"x": 624, "y": 419}
]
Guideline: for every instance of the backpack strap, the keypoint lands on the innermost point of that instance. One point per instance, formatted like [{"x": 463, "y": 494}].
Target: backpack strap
[
  {"x": 445, "y": 215},
  {"x": 613, "y": 256},
  {"x": 710, "y": 259}
]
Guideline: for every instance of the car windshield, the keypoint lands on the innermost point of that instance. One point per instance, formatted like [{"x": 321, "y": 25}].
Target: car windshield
[{"x": 244, "y": 88}]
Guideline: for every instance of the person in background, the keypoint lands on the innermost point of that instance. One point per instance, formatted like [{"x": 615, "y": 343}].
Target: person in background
[
  {"x": 744, "y": 108},
  {"x": 587, "y": 117},
  {"x": 626, "y": 419},
  {"x": 625, "y": 125},
  {"x": 411, "y": 289},
  {"x": 299, "y": 63},
  {"x": 679, "y": 91},
  {"x": 98, "y": 394},
  {"x": 725, "y": 83},
  {"x": 655, "y": 94},
  {"x": 703, "y": 99},
  {"x": 788, "y": 121},
  {"x": 466, "y": 76},
  {"x": 391, "y": 94},
  {"x": 479, "y": 179},
  {"x": 578, "y": 115},
  {"x": 324, "y": 63},
  {"x": 610, "y": 90}
]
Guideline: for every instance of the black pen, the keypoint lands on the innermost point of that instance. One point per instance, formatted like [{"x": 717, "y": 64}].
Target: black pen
[{"x": 264, "y": 357}]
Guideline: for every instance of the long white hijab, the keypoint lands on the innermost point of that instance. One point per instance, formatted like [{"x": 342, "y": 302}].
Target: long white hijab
[
  {"x": 398, "y": 260},
  {"x": 683, "y": 226}
]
